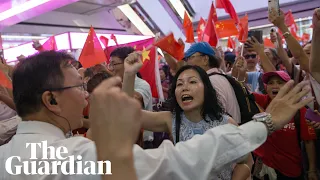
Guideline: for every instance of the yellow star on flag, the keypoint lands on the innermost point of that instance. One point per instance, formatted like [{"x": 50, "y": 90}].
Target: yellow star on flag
[
  {"x": 135, "y": 47},
  {"x": 145, "y": 54}
]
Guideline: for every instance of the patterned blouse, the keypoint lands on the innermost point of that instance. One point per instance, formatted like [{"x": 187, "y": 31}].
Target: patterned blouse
[{"x": 188, "y": 129}]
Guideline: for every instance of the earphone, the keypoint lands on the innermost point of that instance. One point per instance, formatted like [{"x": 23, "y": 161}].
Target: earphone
[{"x": 54, "y": 102}]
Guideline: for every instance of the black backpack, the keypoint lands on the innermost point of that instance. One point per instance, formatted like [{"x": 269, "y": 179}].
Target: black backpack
[{"x": 246, "y": 100}]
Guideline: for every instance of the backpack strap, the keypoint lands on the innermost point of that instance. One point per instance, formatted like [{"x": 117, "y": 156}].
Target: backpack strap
[{"x": 298, "y": 127}]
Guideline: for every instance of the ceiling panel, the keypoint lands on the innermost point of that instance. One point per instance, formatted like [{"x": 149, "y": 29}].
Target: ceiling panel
[
  {"x": 103, "y": 2},
  {"x": 78, "y": 8}
]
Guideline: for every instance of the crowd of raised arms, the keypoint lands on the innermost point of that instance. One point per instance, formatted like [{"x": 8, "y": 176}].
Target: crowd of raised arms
[{"x": 247, "y": 113}]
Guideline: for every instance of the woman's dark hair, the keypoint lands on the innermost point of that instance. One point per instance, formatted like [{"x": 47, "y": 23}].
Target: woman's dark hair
[{"x": 211, "y": 105}]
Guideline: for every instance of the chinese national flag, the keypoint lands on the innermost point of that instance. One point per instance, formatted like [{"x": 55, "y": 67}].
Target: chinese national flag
[
  {"x": 49, "y": 45},
  {"x": 305, "y": 37},
  {"x": 209, "y": 34},
  {"x": 171, "y": 46},
  {"x": 231, "y": 43},
  {"x": 149, "y": 54},
  {"x": 293, "y": 32},
  {"x": 243, "y": 29},
  {"x": 228, "y": 7},
  {"x": 104, "y": 40},
  {"x": 4, "y": 81},
  {"x": 114, "y": 38},
  {"x": 92, "y": 52},
  {"x": 268, "y": 43},
  {"x": 188, "y": 28},
  {"x": 200, "y": 29},
  {"x": 226, "y": 28},
  {"x": 289, "y": 20}
]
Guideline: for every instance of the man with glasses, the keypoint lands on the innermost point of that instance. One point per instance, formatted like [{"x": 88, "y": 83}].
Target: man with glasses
[
  {"x": 141, "y": 87},
  {"x": 202, "y": 54},
  {"x": 251, "y": 71}
]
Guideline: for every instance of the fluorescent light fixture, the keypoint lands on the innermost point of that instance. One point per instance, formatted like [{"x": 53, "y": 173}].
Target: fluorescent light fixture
[
  {"x": 135, "y": 19},
  {"x": 22, "y": 37},
  {"x": 21, "y": 8},
  {"x": 179, "y": 8}
]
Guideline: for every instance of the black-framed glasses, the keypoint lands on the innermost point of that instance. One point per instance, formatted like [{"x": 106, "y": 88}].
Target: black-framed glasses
[
  {"x": 252, "y": 56},
  {"x": 112, "y": 65},
  {"x": 82, "y": 86}
]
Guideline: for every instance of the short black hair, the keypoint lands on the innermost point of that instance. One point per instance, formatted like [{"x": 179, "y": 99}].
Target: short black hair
[
  {"x": 122, "y": 52},
  {"x": 96, "y": 80},
  {"x": 214, "y": 62},
  {"x": 33, "y": 75}
]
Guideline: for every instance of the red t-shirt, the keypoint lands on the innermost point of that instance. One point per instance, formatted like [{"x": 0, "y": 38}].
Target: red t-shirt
[{"x": 281, "y": 150}]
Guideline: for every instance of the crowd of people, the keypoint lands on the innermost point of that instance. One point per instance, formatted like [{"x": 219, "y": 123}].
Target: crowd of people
[{"x": 250, "y": 113}]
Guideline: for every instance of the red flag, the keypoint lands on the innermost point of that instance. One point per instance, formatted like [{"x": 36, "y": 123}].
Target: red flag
[
  {"x": 289, "y": 20},
  {"x": 49, "y": 45},
  {"x": 92, "y": 52},
  {"x": 268, "y": 43},
  {"x": 231, "y": 43},
  {"x": 243, "y": 29},
  {"x": 293, "y": 32},
  {"x": 149, "y": 53},
  {"x": 226, "y": 28},
  {"x": 188, "y": 28},
  {"x": 228, "y": 7},
  {"x": 171, "y": 46},
  {"x": 200, "y": 29},
  {"x": 305, "y": 37},
  {"x": 114, "y": 38},
  {"x": 104, "y": 40},
  {"x": 4, "y": 81},
  {"x": 209, "y": 34}
]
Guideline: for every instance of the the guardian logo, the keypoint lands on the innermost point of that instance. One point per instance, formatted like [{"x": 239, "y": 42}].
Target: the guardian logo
[{"x": 56, "y": 163}]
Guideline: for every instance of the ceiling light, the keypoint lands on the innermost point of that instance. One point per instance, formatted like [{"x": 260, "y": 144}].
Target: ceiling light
[
  {"x": 179, "y": 8},
  {"x": 21, "y": 8}
]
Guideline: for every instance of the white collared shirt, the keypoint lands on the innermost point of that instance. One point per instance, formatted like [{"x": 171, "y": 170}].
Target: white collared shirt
[{"x": 198, "y": 158}]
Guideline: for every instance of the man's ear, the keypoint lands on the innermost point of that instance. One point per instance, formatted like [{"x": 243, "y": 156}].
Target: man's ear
[
  {"x": 50, "y": 102},
  {"x": 206, "y": 60}
]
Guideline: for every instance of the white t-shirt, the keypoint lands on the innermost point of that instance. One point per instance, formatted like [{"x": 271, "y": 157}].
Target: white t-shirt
[{"x": 142, "y": 87}]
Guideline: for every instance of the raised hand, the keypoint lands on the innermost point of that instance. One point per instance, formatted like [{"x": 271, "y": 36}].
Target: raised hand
[
  {"x": 276, "y": 19},
  {"x": 316, "y": 19},
  {"x": 288, "y": 101},
  {"x": 115, "y": 118},
  {"x": 254, "y": 45},
  {"x": 133, "y": 63},
  {"x": 240, "y": 64}
]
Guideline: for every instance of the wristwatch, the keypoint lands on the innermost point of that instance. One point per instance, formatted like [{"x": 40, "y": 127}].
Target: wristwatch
[{"x": 266, "y": 119}]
